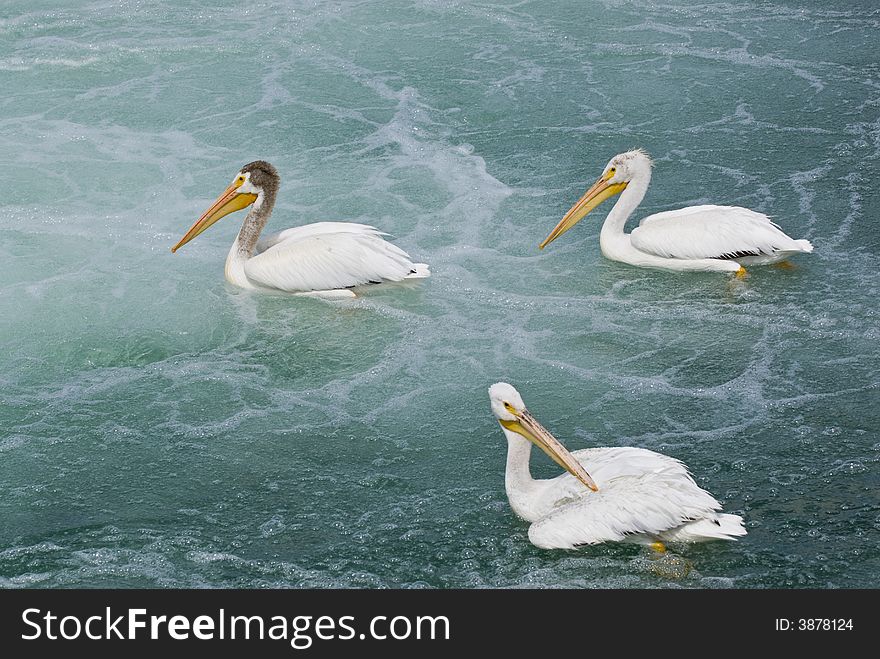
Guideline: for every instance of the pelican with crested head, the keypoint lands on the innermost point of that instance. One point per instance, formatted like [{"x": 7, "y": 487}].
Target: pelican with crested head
[
  {"x": 696, "y": 238},
  {"x": 616, "y": 494},
  {"x": 325, "y": 259}
]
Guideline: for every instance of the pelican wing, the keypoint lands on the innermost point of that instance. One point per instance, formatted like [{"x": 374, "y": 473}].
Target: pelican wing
[
  {"x": 315, "y": 229},
  {"x": 713, "y": 232},
  {"x": 327, "y": 256},
  {"x": 640, "y": 492}
]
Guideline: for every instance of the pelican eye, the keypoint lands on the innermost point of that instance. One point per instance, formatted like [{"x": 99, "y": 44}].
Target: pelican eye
[
  {"x": 612, "y": 171},
  {"x": 239, "y": 180},
  {"x": 509, "y": 407}
]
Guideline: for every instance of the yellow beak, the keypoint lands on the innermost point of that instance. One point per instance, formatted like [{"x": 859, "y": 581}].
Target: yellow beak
[
  {"x": 528, "y": 426},
  {"x": 599, "y": 192},
  {"x": 230, "y": 201}
]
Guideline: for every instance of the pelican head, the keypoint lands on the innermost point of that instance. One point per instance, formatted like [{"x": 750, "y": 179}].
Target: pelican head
[
  {"x": 618, "y": 173},
  {"x": 253, "y": 183},
  {"x": 511, "y": 412}
]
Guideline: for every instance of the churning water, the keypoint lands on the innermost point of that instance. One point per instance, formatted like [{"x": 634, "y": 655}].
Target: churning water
[{"x": 161, "y": 428}]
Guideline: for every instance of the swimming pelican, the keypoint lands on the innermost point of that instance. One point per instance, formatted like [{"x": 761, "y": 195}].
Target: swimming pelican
[
  {"x": 617, "y": 494},
  {"x": 696, "y": 238},
  {"x": 325, "y": 259}
]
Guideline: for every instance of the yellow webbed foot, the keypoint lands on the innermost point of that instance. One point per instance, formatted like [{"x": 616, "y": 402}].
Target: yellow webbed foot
[
  {"x": 658, "y": 546},
  {"x": 785, "y": 265},
  {"x": 741, "y": 273}
]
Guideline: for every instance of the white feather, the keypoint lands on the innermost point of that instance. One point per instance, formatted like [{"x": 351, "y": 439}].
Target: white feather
[
  {"x": 325, "y": 259},
  {"x": 326, "y": 256},
  {"x": 643, "y": 496},
  {"x": 698, "y": 238},
  {"x": 713, "y": 232}
]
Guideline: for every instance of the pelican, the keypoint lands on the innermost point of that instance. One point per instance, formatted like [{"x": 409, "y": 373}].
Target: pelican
[
  {"x": 697, "y": 238},
  {"x": 617, "y": 494},
  {"x": 325, "y": 259}
]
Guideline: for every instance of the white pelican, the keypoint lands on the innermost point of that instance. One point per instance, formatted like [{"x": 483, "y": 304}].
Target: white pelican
[
  {"x": 325, "y": 259},
  {"x": 696, "y": 238},
  {"x": 633, "y": 495}
]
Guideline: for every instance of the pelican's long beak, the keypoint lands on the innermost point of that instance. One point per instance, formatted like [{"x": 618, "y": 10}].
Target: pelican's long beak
[
  {"x": 528, "y": 426},
  {"x": 230, "y": 201},
  {"x": 599, "y": 192}
]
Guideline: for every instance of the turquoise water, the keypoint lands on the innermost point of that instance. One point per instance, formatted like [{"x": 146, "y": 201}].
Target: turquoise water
[{"x": 161, "y": 428}]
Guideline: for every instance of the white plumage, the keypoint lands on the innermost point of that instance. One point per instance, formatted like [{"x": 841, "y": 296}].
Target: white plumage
[
  {"x": 642, "y": 496},
  {"x": 325, "y": 259},
  {"x": 712, "y": 232},
  {"x": 697, "y": 238},
  {"x": 328, "y": 256}
]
